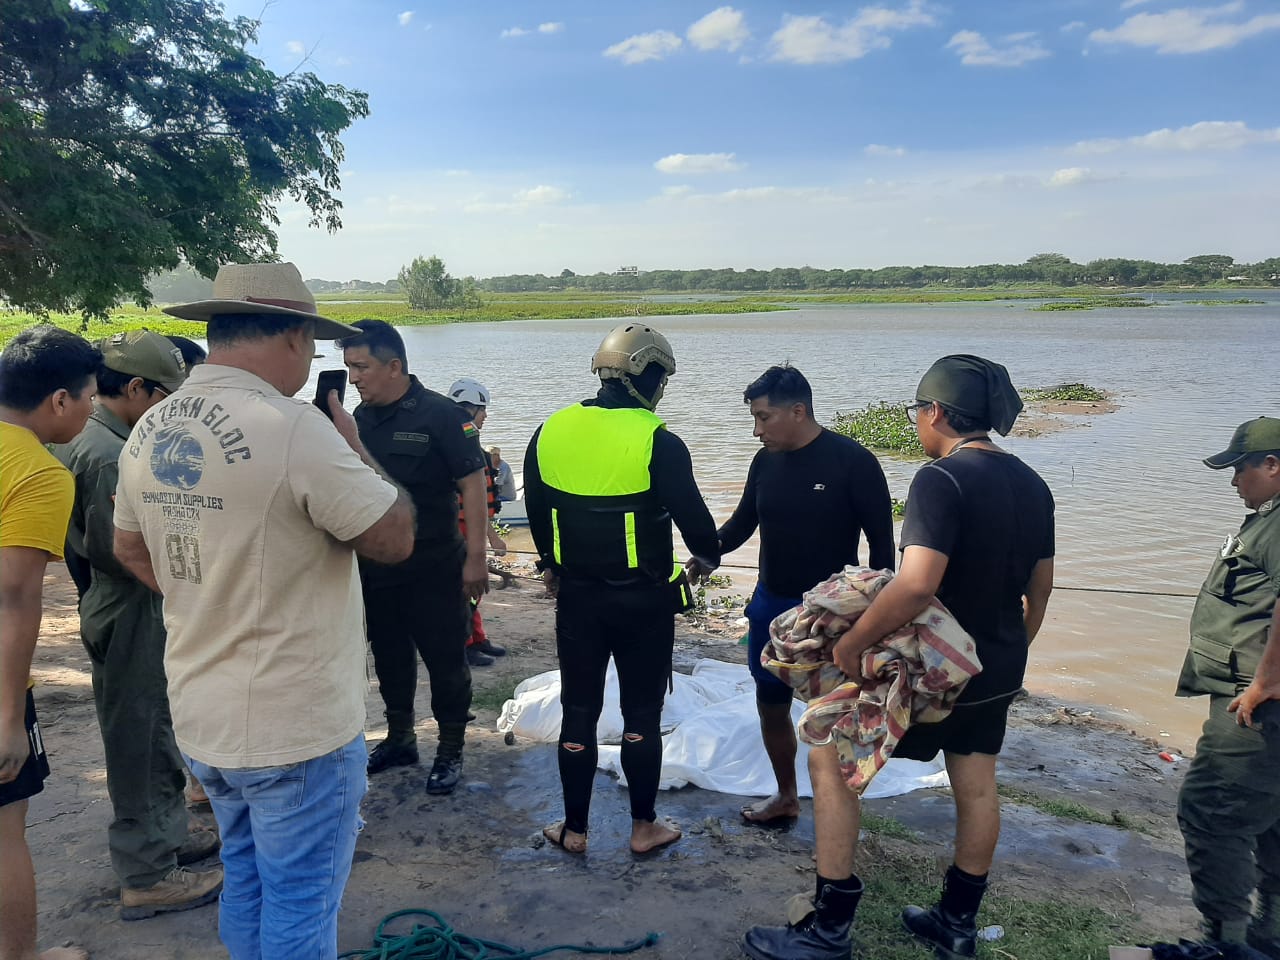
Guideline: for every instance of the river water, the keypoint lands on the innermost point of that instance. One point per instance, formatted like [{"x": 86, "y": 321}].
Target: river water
[{"x": 1136, "y": 510}]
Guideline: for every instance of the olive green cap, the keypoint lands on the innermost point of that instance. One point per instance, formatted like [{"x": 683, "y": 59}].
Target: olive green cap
[
  {"x": 141, "y": 353},
  {"x": 1253, "y": 436}
]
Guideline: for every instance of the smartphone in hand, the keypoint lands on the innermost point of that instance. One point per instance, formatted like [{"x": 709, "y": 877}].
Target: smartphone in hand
[{"x": 330, "y": 380}]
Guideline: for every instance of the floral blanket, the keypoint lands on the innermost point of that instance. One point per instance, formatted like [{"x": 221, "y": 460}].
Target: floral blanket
[{"x": 915, "y": 673}]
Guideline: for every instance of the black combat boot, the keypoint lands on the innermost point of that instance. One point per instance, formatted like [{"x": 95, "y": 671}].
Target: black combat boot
[
  {"x": 401, "y": 746},
  {"x": 1264, "y": 928},
  {"x": 820, "y": 930},
  {"x": 447, "y": 769},
  {"x": 951, "y": 927}
]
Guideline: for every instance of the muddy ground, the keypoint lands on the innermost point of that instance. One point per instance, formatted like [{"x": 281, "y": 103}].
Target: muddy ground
[{"x": 478, "y": 858}]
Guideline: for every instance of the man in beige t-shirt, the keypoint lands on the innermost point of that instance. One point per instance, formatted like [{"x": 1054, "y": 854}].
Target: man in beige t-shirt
[{"x": 246, "y": 508}]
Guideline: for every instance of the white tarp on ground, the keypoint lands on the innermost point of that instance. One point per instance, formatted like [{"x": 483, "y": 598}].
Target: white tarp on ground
[{"x": 711, "y": 734}]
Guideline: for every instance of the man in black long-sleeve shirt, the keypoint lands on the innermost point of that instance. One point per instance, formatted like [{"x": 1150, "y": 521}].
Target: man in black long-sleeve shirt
[
  {"x": 812, "y": 494},
  {"x": 604, "y": 480}
]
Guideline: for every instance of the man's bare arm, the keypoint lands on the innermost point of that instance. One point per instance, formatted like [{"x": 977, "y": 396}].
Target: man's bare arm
[
  {"x": 390, "y": 539},
  {"x": 475, "y": 571},
  {"x": 1035, "y": 598},
  {"x": 21, "y": 590},
  {"x": 131, "y": 550}
]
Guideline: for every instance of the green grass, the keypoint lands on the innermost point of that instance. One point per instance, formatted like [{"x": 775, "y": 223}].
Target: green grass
[
  {"x": 1078, "y": 392},
  {"x": 1068, "y": 809},
  {"x": 888, "y": 827},
  {"x": 880, "y": 426},
  {"x": 1034, "y": 929},
  {"x": 491, "y": 696},
  {"x": 899, "y": 507},
  {"x": 397, "y": 312}
]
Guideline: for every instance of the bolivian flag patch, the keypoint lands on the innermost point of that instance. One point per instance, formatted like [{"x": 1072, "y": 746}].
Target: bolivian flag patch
[{"x": 470, "y": 430}]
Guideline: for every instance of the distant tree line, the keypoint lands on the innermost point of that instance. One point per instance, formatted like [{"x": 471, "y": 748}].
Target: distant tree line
[
  {"x": 431, "y": 285},
  {"x": 1045, "y": 268}
]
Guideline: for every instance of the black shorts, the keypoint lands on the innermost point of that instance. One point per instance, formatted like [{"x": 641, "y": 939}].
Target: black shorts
[
  {"x": 31, "y": 777},
  {"x": 976, "y": 728}
]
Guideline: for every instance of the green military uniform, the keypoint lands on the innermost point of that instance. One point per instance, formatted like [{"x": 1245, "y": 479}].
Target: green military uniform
[
  {"x": 1229, "y": 805},
  {"x": 122, "y": 627}
]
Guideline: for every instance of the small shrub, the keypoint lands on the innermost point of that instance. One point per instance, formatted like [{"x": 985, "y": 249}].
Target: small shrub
[
  {"x": 1065, "y": 392},
  {"x": 880, "y": 426}
]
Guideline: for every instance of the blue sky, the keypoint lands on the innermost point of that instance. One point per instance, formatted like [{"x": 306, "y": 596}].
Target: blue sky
[{"x": 528, "y": 137}]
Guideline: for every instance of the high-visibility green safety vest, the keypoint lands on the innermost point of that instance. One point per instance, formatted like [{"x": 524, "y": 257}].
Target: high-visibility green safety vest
[{"x": 594, "y": 462}]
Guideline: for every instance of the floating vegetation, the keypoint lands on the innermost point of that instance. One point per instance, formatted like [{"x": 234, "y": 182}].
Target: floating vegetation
[
  {"x": 1239, "y": 301},
  {"x": 1095, "y": 303},
  {"x": 1064, "y": 393},
  {"x": 880, "y": 426}
]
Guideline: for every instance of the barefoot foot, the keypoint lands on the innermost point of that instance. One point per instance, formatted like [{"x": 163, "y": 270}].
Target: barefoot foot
[
  {"x": 647, "y": 837},
  {"x": 561, "y": 836},
  {"x": 771, "y": 810}
]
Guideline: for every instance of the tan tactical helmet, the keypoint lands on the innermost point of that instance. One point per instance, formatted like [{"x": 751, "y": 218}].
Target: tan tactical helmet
[{"x": 627, "y": 351}]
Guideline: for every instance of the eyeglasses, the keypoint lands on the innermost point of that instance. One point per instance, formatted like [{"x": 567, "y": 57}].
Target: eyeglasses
[{"x": 912, "y": 410}]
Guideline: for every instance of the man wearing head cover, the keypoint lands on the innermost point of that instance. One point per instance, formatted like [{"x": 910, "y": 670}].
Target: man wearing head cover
[
  {"x": 604, "y": 480},
  {"x": 1229, "y": 804},
  {"x": 472, "y": 397},
  {"x": 978, "y": 534},
  {"x": 122, "y": 628},
  {"x": 246, "y": 508}
]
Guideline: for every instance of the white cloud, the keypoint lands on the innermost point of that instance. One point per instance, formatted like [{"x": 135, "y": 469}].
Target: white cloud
[
  {"x": 1188, "y": 29},
  {"x": 296, "y": 47},
  {"x": 1205, "y": 135},
  {"x": 541, "y": 194},
  {"x": 1073, "y": 26},
  {"x": 1132, "y": 3},
  {"x": 1074, "y": 177},
  {"x": 405, "y": 18},
  {"x": 342, "y": 62},
  {"x": 645, "y": 46},
  {"x": 521, "y": 200},
  {"x": 689, "y": 163},
  {"x": 523, "y": 32},
  {"x": 679, "y": 191},
  {"x": 722, "y": 28},
  {"x": 880, "y": 150},
  {"x": 1016, "y": 49},
  {"x": 809, "y": 40}
]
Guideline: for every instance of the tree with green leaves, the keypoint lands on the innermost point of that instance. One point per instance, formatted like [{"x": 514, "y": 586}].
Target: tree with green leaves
[
  {"x": 137, "y": 134},
  {"x": 427, "y": 285}
]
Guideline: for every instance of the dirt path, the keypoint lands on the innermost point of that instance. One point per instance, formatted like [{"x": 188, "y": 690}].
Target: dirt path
[{"x": 478, "y": 858}]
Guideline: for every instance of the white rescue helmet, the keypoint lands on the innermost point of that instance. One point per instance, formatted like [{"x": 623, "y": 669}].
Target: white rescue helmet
[{"x": 469, "y": 391}]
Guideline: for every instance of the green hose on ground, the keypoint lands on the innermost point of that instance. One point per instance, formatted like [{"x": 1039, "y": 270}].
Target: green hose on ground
[{"x": 442, "y": 942}]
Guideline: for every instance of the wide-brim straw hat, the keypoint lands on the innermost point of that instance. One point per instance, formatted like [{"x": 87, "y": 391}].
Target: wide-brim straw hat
[{"x": 261, "y": 288}]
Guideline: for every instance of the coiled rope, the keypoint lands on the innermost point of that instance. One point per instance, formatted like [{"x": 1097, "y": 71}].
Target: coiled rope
[{"x": 441, "y": 942}]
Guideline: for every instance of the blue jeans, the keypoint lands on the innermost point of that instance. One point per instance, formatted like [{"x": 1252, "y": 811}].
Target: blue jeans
[{"x": 288, "y": 835}]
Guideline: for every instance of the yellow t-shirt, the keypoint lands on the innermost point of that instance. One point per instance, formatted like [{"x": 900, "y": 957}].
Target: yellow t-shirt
[{"x": 36, "y": 494}]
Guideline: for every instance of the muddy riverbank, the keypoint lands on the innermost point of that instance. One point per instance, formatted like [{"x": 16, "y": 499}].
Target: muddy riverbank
[{"x": 477, "y": 857}]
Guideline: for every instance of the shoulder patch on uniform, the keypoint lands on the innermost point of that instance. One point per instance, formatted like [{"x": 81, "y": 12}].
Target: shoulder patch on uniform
[
  {"x": 414, "y": 437},
  {"x": 469, "y": 430}
]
